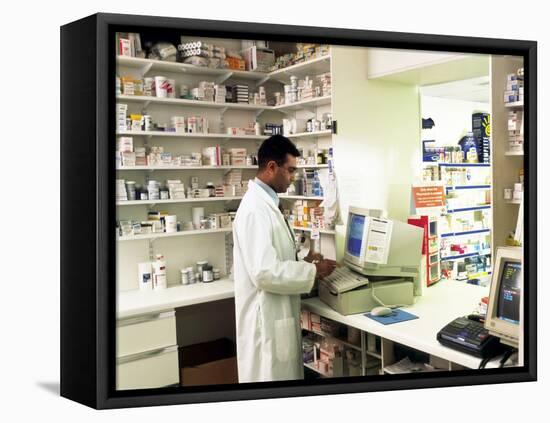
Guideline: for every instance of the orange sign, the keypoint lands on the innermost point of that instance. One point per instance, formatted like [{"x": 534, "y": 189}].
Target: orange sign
[{"x": 429, "y": 196}]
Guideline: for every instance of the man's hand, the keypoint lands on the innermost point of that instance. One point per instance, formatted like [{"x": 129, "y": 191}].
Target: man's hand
[
  {"x": 311, "y": 257},
  {"x": 325, "y": 268}
]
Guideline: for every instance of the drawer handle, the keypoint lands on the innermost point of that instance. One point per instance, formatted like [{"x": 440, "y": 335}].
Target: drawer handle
[
  {"x": 146, "y": 354},
  {"x": 145, "y": 318}
]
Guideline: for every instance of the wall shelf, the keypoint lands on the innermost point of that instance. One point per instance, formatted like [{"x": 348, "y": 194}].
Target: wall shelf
[
  {"x": 462, "y": 233},
  {"x": 513, "y": 153},
  {"x": 461, "y": 256},
  {"x": 464, "y": 164},
  {"x": 310, "y": 134},
  {"x": 513, "y": 201},
  {"x": 159, "y": 235},
  {"x": 187, "y": 200},
  {"x": 309, "y": 68},
  {"x": 170, "y": 134},
  {"x": 122, "y": 168},
  {"x": 465, "y": 209},
  {"x": 463, "y": 187},
  {"x": 190, "y": 103},
  {"x": 148, "y": 65},
  {"x": 514, "y": 105},
  {"x": 315, "y": 102}
]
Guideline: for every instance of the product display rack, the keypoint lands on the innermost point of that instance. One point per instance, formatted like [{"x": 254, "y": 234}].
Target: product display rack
[{"x": 446, "y": 236}]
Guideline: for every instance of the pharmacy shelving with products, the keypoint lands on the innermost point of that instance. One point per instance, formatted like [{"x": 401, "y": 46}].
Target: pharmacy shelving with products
[
  {"x": 164, "y": 137},
  {"x": 465, "y": 225}
]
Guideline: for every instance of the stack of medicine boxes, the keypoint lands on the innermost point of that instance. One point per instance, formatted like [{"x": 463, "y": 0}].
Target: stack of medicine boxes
[{"x": 430, "y": 246}]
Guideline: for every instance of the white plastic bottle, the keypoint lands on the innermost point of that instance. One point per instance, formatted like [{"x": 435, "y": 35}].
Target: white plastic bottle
[
  {"x": 159, "y": 273},
  {"x": 145, "y": 279}
]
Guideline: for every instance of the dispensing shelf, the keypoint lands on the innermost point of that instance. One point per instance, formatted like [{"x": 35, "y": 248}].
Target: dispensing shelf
[
  {"x": 461, "y": 187},
  {"x": 473, "y": 232},
  {"x": 513, "y": 201},
  {"x": 147, "y": 65},
  {"x": 171, "y": 134},
  {"x": 187, "y": 200},
  {"x": 300, "y": 197},
  {"x": 465, "y": 209},
  {"x": 514, "y": 153},
  {"x": 174, "y": 234},
  {"x": 191, "y": 103},
  {"x": 461, "y": 256},
  {"x": 514, "y": 105},
  {"x": 310, "y": 134},
  {"x": 314, "y": 102}
]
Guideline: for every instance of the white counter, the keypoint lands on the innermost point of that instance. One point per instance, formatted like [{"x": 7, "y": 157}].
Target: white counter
[
  {"x": 132, "y": 303},
  {"x": 439, "y": 305}
]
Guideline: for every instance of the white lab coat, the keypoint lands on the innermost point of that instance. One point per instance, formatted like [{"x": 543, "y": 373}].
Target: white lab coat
[{"x": 268, "y": 284}]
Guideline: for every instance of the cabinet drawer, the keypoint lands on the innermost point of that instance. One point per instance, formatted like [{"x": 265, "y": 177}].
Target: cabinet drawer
[
  {"x": 148, "y": 370},
  {"x": 145, "y": 333}
]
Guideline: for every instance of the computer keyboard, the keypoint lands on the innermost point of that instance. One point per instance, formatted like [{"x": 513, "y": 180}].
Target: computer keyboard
[
  {"x": 468, "y": 336},
  {"x": 343, "y": 279}
]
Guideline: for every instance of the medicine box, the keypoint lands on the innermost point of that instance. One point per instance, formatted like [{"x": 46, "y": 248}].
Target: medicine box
[{"x": 258, "y": 59}]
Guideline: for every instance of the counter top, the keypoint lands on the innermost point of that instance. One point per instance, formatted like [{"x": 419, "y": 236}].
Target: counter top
[
  {"x": 132, "y": 303},
  {"x": 439, "y": 305}
]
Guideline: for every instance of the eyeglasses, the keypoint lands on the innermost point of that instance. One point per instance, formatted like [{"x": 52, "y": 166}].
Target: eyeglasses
[{"x": 291, "y": 170}]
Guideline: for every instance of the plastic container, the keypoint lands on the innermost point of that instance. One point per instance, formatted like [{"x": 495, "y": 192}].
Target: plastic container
[{"x": 207, "y": 274}]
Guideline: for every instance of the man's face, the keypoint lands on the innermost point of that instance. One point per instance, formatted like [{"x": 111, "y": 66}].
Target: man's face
[{"x": 283, "y": 175}]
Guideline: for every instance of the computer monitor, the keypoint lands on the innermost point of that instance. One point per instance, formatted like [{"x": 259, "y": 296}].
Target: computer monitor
[
  {"x": 503, "y": 311},
  {"x": 366, "y": 252}
]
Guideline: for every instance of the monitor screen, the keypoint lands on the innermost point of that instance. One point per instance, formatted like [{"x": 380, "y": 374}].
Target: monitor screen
[
  {"x": 355, "y": 238},
  {"x": 509, "y": 292}
]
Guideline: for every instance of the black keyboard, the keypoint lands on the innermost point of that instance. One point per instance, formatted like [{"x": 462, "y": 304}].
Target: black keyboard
[{"x": 470, "y": 337}]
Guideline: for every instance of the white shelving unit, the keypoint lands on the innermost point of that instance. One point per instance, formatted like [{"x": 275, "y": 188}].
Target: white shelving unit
[
  {"x": 171, "y": 106},
  {"x": 183, "y": 248}
]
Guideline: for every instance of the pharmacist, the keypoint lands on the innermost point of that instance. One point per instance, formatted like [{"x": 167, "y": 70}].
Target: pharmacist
[{"x": 268, "y": 277}]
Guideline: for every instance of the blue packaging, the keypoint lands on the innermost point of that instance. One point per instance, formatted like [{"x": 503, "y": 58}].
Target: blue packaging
[{"x": 468, "y": 144}]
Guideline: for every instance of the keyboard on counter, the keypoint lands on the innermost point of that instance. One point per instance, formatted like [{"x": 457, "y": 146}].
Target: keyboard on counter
[{"x": 343, "y": 279}]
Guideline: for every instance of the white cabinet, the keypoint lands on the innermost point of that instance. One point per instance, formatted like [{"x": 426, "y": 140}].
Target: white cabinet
[
  {"x": 153, "y": 369},
  {"x": 147, "y": 351}
]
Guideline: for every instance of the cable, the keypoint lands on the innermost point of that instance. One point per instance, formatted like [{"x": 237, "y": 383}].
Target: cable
[
  {"x": 506, "y": 356},
  {"x": 484, "y": 362},
  {"x": 375, "y": 298}
]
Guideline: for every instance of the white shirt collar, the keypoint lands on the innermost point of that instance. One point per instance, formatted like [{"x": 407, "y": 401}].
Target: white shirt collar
[{"x": 269, "y": 190}]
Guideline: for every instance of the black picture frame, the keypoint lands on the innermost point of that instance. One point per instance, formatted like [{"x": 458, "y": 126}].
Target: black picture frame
[{"x": 88, "y": 214}]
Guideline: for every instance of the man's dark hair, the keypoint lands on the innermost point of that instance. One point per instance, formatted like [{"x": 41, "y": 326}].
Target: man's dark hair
[{"x": 276, "y": 148}]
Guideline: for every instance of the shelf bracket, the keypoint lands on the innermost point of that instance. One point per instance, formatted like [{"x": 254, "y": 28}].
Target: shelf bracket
[
  {"x": 262, "y": 81},
  {"x": 224, "y": 77},
  {"x": 259, "y": 112},
  {"x": 223, "y": 110},
  {"x": 146, "y": 69},
  {"x": 146, "y": 104}
]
